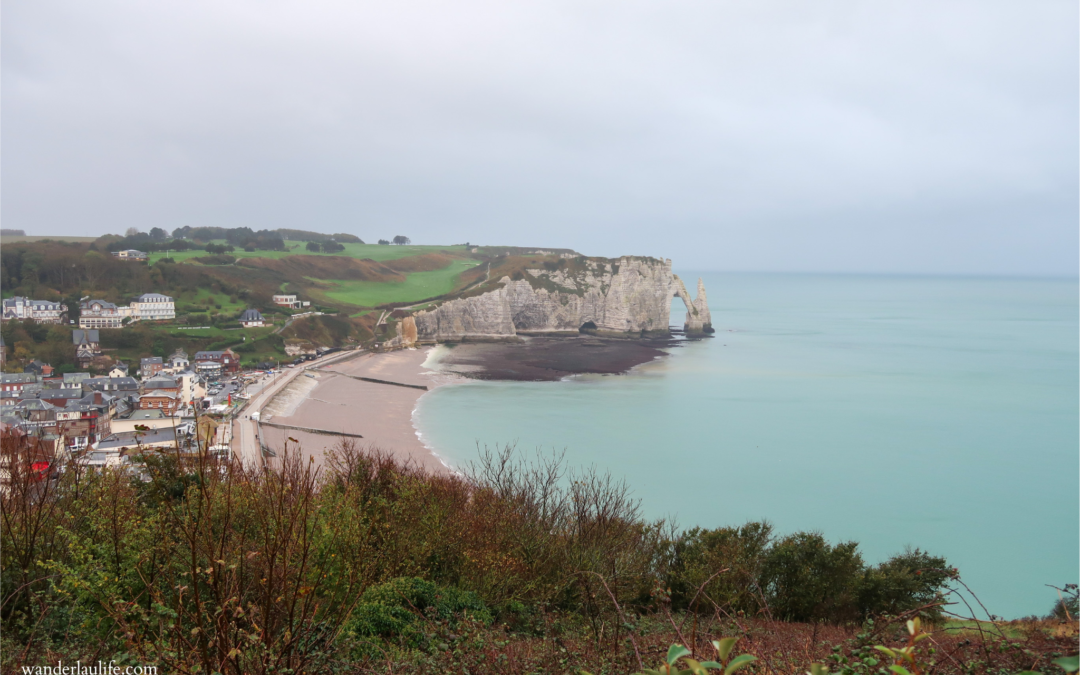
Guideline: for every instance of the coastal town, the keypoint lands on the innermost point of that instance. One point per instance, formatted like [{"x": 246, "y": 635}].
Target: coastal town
[{"x": 107, "y": 412}]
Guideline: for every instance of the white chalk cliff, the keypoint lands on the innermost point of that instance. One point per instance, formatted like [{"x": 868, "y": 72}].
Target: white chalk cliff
[{"x": 631, "y": 295}]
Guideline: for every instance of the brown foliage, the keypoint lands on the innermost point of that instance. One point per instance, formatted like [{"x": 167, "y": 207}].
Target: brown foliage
[
  {"x": 420, "y": 263},
  {"x": 296, "y": 267}
]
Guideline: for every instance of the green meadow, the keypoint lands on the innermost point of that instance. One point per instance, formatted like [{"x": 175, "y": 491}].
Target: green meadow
[{"x": 417, "y": 286}]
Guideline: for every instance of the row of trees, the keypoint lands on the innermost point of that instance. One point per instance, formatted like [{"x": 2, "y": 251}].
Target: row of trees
[
  {"x": 400, "y": 240},
  {"x": 304, "y": 235},
  {"x": 187, "y": 238},
  {"x": 245, "y": 236},
  {"x": 53, "y": 270},
  {"x": 325, "y": 247}
]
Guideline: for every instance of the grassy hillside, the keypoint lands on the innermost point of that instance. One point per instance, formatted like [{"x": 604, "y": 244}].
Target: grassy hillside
[
  {"x": 416, "y": 286},
  {"x": 348, "y": 283}
]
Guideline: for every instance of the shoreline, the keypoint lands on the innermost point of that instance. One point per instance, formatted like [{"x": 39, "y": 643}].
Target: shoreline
[
  {"x": 384, "y": 414},
  {"x": 380, "y": 412}
]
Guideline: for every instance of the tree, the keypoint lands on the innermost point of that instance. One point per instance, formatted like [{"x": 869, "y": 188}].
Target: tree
[
  {"x": 904, "y": 582},
  {"x": 401, "y": 240},
  {"x": 383, "y": 242},
  {"x": 333, "y": 247},
  {"x": 158, "y": 233},
  {"x": 131, "y": 232},
  {"x": 218, "y": 249},
  {"x": 806, "y": 579},
  {"x": 313, "y": 246}
]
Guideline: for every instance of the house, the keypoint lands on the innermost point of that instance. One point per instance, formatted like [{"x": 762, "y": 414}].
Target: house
[
  {"x": 211, "y": 362},
  {"x": 87, "y": 346},
  {"x": 188, "y": 386},
  {"x": 15, "y": 382},
  {"x": 38, "y": 368},
  {"x": 252, "y": 318},
  {"x": 150, "y": 366},
  {"x": 160, "y": 383},
  {"x": 287, "y": 301},
  {"x": 38, "y": 417},
  {"x": 42, "y": 311},
  {"x": 164, "y": 438},
  {"x": 119, "y": 370},
  {"x": 60, "y": 397},
  {"x": 166, "y": 402},
  {"x": 121, "y": 387},
  {"x": 99, "y": 314},
  {"x": 33, "y": 389},
  {"x": 73, "y": 380},
  {"x": 154, "y": 307},
  {"x": 179, "y": 359},
  {"x": 130, "y": 254},
  {"x": 84, "y": 421}
]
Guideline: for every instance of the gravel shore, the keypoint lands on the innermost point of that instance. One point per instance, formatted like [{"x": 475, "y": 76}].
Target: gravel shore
[{"x": 381, "y": 413}]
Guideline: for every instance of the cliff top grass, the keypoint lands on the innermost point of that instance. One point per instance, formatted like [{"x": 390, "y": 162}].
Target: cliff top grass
[
  {"x": 414, "y": 287},
  {"x": 375, "y": 252}
]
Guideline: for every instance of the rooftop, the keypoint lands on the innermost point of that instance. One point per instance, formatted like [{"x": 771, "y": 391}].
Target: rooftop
[{"x": 77, "y": 336}]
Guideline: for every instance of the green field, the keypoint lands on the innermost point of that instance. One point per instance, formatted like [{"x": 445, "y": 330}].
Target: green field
[
  {"x": 369, "y": 251},
  {"x": 417, "y": 286}
]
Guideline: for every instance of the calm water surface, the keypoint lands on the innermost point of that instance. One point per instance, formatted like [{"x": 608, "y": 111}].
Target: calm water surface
[{"x": 932, "y": 412}]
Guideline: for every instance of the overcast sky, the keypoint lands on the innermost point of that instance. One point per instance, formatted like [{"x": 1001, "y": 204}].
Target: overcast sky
[{"x": 913, "y": 137}]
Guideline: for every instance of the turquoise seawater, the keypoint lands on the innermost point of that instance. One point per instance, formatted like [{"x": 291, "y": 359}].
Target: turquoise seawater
[{"x": 933, "y": 412}]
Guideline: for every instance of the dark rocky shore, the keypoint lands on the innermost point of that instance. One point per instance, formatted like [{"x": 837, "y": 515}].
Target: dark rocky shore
[{"x": 551, "y": 358}]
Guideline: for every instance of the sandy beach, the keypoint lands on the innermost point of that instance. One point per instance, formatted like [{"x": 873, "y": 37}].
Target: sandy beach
[
  {"x": 334, "y": 401},
  {"x": 330, "y": 398}
]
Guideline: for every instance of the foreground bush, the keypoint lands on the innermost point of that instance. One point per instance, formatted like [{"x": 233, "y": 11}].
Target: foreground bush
[{"x": 200, "y": 566}]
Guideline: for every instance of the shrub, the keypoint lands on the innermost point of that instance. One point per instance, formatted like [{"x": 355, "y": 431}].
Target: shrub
[
  {"x": 396, "y": 610},
  {"x": 700, "y": 554},
  {"x": 904, "y": 582},
  {"x": 807, "y": 579},
  {"x": 1067, "y": 606}
]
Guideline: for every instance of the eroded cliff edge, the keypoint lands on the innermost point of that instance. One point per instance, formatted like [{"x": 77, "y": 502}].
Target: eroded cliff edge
[{"x": 628, "y": 296}]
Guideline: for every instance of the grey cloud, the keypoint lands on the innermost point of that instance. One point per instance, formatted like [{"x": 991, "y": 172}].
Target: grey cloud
[{"x": 899, "y": 137}]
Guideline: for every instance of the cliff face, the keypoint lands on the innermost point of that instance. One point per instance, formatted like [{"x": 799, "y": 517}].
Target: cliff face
[{"x": 628, "y": 295}]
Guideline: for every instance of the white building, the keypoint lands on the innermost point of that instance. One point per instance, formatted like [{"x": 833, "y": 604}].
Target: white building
[
  {"x": 179, "y": 360},
  {"x": 130, "y": 254},
  {"x": 42, "y": 311},
  {"x": 154, "y": 307},
  {"x": 287, "y": 301},
  {"x": 99, "y": 314}
]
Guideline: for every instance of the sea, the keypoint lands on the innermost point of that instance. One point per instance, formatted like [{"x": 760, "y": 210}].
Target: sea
[{"x": 895, "y": 411}]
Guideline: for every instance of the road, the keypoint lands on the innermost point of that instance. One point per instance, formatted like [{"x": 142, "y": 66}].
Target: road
[{"x": 245, "y": 436}]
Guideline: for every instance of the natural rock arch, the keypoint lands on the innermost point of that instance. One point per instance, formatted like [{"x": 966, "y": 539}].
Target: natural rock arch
[{"x": 698, "y": 317}]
